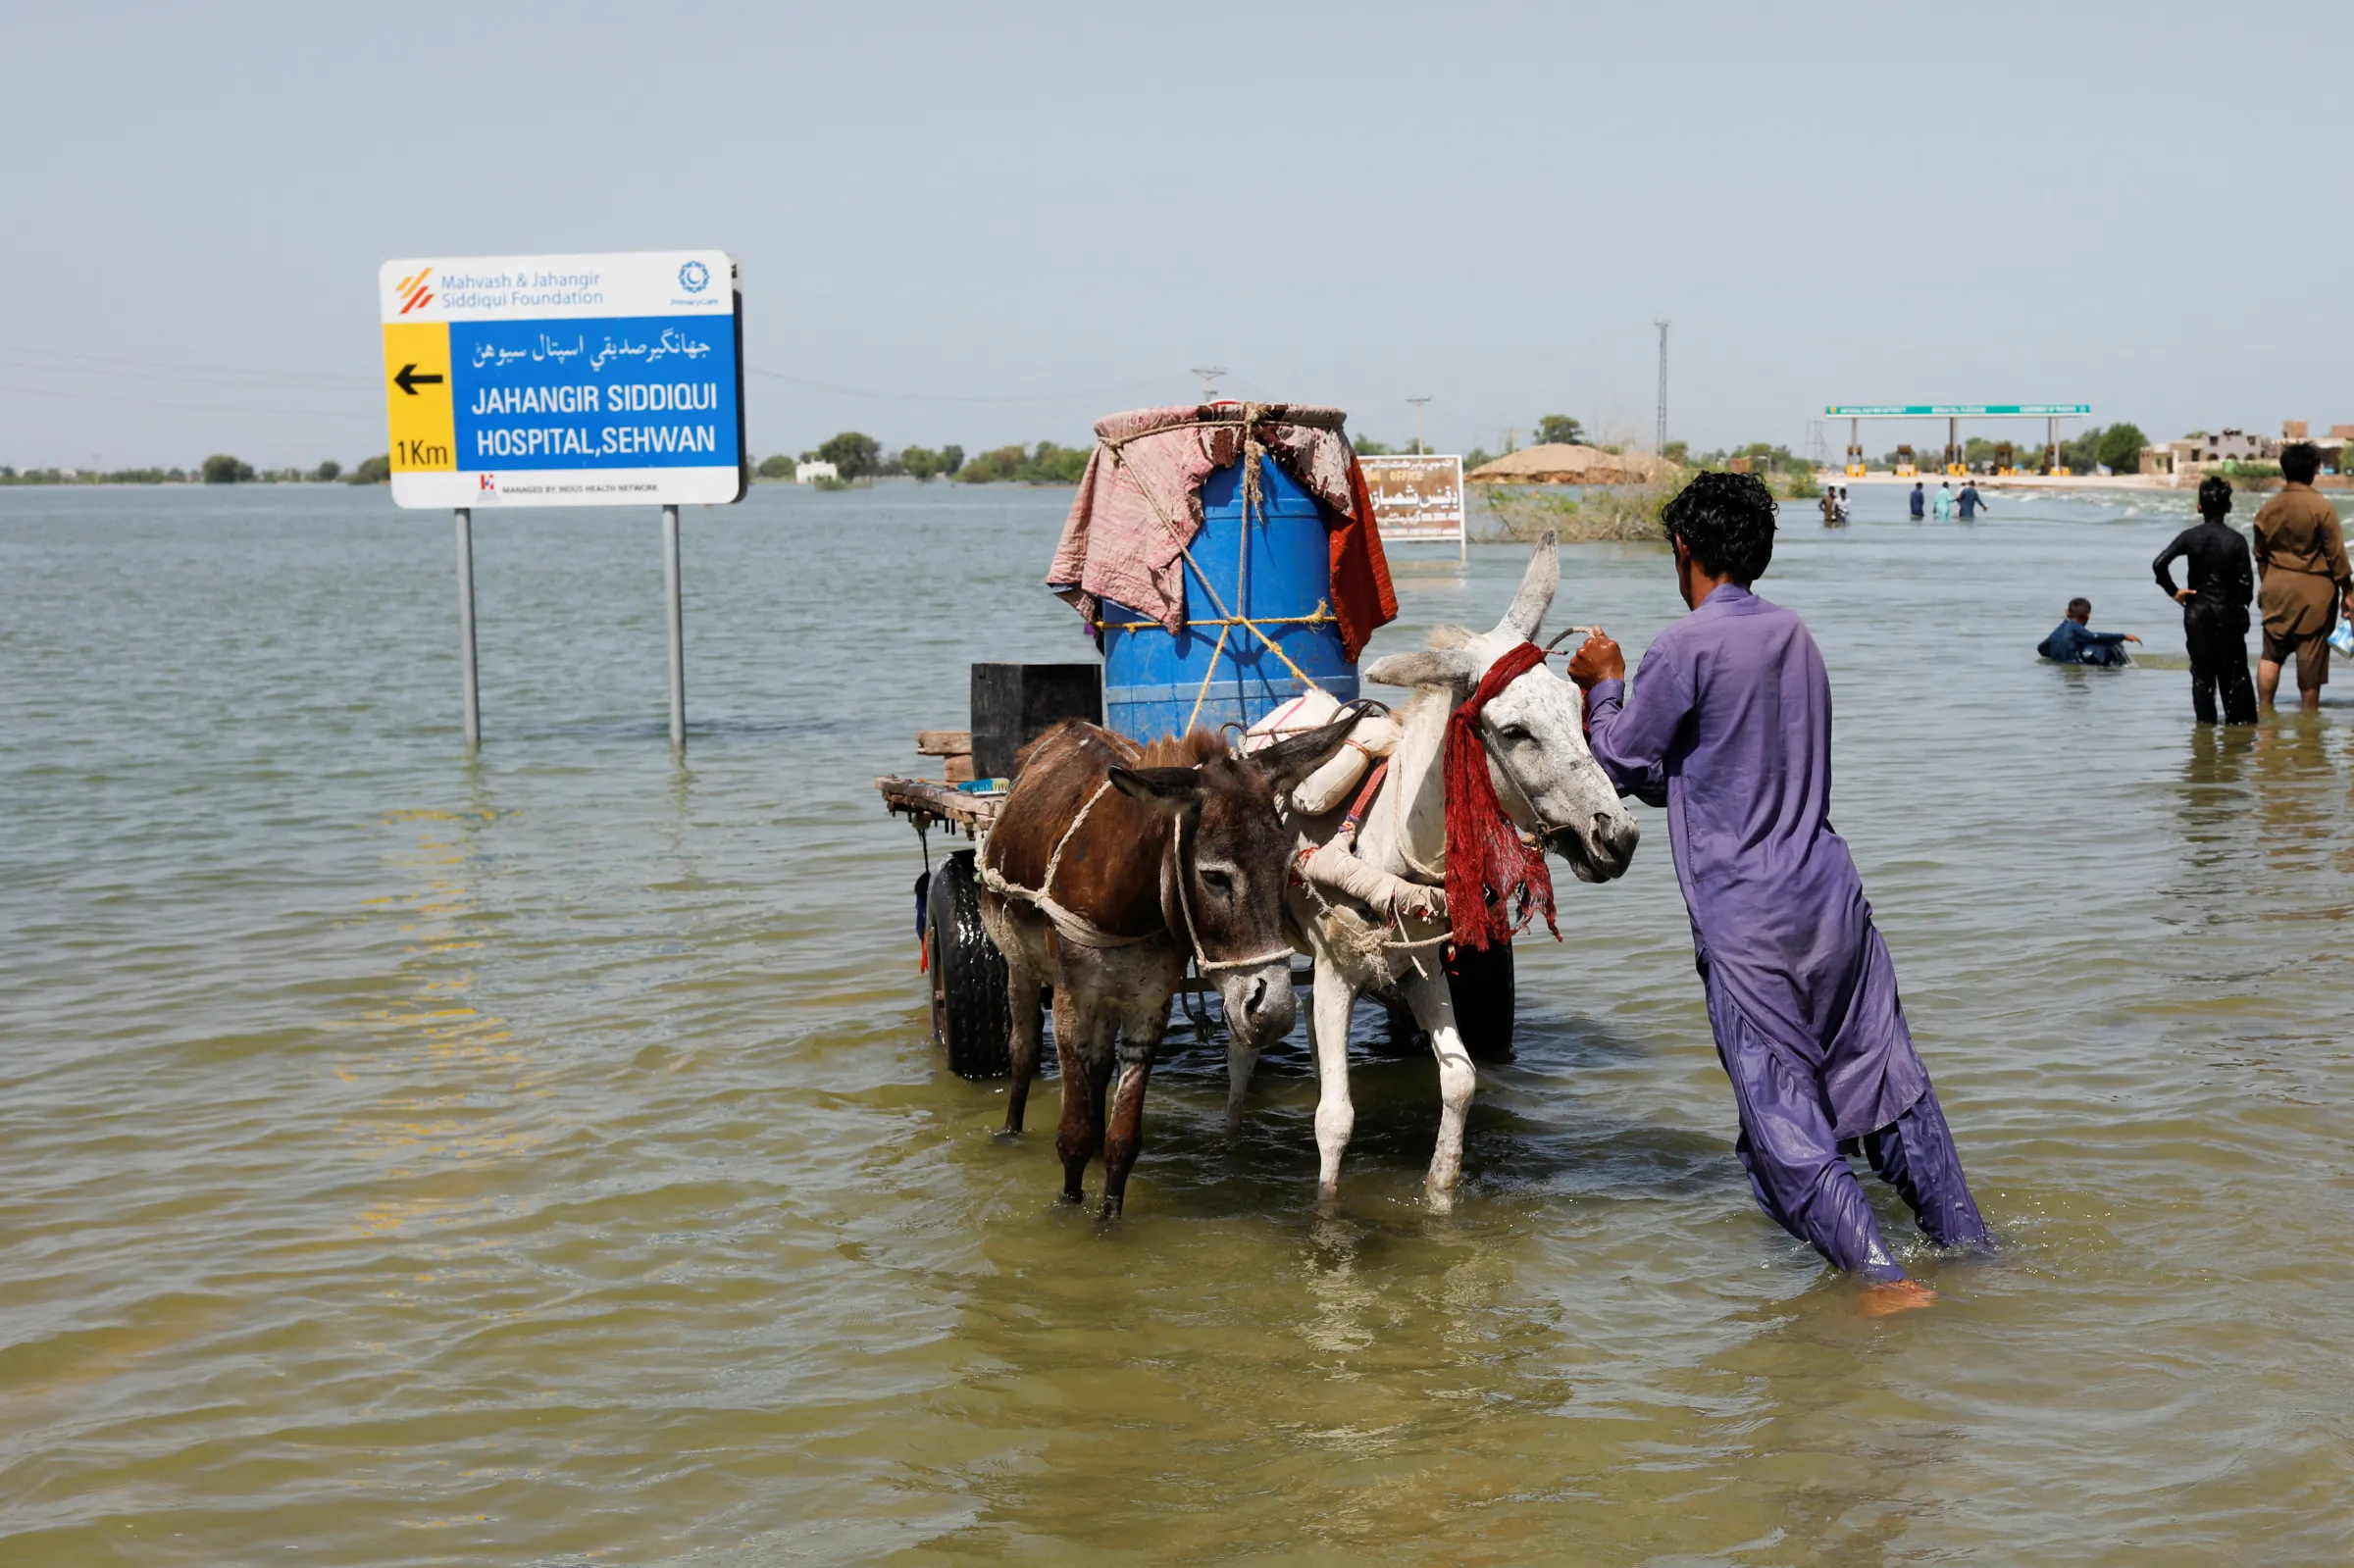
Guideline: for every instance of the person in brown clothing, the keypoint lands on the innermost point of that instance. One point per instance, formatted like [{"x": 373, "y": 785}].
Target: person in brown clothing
[{"x": 2301, "y": 565}]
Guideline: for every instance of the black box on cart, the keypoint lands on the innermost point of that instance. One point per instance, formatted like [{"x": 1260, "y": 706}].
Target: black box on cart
[{"x": 1013, "y": 704}]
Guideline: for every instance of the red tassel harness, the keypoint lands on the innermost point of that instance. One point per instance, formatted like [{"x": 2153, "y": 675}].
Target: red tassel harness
[{"x": 1484, "y": 852}]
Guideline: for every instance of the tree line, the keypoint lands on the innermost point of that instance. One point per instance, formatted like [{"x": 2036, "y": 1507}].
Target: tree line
[
  {"x": 219, "y": 469},
  {"x": 857, "y": 455}
]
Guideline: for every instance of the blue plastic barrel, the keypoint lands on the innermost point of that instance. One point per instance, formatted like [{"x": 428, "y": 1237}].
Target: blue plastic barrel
[{"x": 1151, "y": 678}]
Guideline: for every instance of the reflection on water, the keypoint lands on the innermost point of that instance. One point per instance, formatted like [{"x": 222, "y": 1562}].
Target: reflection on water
[{"x": 540, "y": 1160}]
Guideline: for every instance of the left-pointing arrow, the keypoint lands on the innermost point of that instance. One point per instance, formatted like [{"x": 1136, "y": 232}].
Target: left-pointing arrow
[{"x": 410, "y": 378}]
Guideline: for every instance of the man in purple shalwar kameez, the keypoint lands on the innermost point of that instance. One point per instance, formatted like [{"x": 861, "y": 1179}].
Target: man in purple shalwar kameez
[{"x": 1730, "y": 728}]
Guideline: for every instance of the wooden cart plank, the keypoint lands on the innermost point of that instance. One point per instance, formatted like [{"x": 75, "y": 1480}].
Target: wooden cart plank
[{"x": 928, "y": 800}]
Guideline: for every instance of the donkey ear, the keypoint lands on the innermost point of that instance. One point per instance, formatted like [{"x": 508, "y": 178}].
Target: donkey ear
[
  {"x": 1537, "y": 586},
  {"x": 1287, "y": 762},
  {"x": 1429, "y": 667},
  {"x": 1174, "y": 790}
]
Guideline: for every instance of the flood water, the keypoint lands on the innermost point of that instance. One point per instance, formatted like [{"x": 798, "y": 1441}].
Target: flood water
[{"x": 541, "y": 1160}]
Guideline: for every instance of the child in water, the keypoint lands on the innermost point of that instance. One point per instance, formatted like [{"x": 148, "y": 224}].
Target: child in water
[{"x": 2074, "y": 641}]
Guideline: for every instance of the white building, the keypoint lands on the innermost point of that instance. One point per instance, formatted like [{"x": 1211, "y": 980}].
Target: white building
[{"x": 811, "y": 471}]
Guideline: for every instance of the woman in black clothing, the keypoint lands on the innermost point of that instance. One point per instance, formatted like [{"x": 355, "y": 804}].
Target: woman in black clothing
[{"x": 2215, "y": 607}]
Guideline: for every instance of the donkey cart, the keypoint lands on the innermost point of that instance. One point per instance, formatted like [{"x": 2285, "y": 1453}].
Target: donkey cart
[
  {"x": 1227, "y": 566},
  {"x": 967, "y": 974}
]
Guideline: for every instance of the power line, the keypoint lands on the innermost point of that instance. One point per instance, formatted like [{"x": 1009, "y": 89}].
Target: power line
[
  {"x": 192, "y": 408},
  {"x": 23, "y": 357},
  {"x": 1210, "y": 374},
  {"x": 883, "y": 395},
  {"x": 16, "y": 354}
]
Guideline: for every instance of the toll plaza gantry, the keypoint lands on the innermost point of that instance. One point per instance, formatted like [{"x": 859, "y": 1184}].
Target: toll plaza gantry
[{"x": 1954, "y": 413}]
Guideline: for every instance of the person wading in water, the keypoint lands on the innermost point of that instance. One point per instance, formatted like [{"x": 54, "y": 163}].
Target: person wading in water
[
  {"x": 2215, "y": 607},
  {"x": 2301, "y": 564},
  {"x": 1729, "y": 726}
]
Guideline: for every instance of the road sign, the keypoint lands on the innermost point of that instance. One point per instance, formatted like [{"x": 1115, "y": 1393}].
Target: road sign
[
  {"x": 564, "y": 380},
  {"x": 1949, "y": 411},
  {"x": 1417, "y": 497}
]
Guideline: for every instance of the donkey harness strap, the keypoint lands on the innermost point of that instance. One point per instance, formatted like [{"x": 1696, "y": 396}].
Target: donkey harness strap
[{"x": 1077, "y": 928}]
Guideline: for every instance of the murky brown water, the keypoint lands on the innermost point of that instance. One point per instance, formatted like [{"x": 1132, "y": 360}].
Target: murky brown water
[{"x": 541, "y": 1161}]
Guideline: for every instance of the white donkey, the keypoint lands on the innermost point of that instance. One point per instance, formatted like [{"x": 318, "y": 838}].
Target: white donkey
[{"x": 1390, "y": 939}]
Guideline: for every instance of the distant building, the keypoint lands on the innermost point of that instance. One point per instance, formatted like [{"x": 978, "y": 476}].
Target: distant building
[
  {"x": 2183, "y": 460},
  {"x": 811, "y": 471}
]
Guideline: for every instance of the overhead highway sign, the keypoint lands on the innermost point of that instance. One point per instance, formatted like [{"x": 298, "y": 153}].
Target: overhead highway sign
[{"x": 1948, "y": 411}]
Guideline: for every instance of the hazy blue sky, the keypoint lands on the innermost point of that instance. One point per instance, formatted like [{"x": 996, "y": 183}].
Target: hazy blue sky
[{"x": 1012, "y": 220}]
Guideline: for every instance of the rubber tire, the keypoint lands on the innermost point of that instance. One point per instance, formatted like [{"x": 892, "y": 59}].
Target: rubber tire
[
  {"x": 1480, "y": 982},
  {"x": 969, "y": 1020}
]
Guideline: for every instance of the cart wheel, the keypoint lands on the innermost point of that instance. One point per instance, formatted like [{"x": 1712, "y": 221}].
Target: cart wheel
[
  {"x": 1480, "y": 982},
  {"x": 967, "y": 973}
]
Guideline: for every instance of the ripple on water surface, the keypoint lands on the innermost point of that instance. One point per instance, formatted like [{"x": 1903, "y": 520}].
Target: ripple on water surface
[{"x": 540, "y": 1159}]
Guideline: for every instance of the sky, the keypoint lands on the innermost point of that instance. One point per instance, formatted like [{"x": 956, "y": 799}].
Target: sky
[{"x": 988, "y": 225}]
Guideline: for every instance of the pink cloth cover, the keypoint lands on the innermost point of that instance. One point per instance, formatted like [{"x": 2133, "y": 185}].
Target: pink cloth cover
[{"x": 1116, "y": 545}]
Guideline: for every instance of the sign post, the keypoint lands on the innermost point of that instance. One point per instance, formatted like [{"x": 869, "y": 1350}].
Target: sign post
[
  {"x": 470, "y": 687},
  {"x": 1417, "y": 497},
  {"x": 677, "y": 618},
  {"x": 565, "y": 381}
]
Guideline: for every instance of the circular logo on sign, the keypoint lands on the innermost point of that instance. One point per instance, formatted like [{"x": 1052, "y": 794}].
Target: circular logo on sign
[{"x": 694, "y": 278}]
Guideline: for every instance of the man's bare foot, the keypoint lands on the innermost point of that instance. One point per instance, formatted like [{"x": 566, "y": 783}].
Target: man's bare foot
[{"x": 1896, "y": 1295}]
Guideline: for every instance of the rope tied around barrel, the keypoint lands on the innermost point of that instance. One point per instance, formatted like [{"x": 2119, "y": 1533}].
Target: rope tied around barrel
[{"x": 1254, "y": 505}]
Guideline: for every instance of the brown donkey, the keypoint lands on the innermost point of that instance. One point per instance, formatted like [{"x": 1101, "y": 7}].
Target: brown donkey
[{"x": 1108, "y": 869}]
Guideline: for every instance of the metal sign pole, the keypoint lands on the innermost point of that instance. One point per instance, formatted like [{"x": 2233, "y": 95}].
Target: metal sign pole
[
  {"x": 466, "y": 671},
  {"x": 678, "y": 645}
]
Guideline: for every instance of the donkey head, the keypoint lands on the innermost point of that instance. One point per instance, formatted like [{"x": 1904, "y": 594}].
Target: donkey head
[
  {"x": 1546, "y": 777},
  {"x": 1232, "y": 861}
]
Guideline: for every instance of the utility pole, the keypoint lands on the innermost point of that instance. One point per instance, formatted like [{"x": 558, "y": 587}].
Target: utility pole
[
  {"x": 1661, "y": 445},
  {"x": 1418, "y": 402},
  {"x": 1210, "y": 374}
]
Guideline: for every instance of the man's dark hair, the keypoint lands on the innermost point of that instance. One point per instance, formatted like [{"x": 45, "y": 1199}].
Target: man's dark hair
[
  {"x": 2214, "y": 496},
  {"x": 2300, "y": 461},
  {"x": 2077, "y": 607},
  {"x": 1726, "y": 522}
]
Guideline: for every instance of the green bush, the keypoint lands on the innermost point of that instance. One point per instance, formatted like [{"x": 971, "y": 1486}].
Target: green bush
[
  {"x": 994, "y": 466},
  {"x": 1048, "y": 464},
  {"x": 223, "y": 469},
  {"x": 2120, "y": 447},
  {"x": 853, "y": 454}
]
